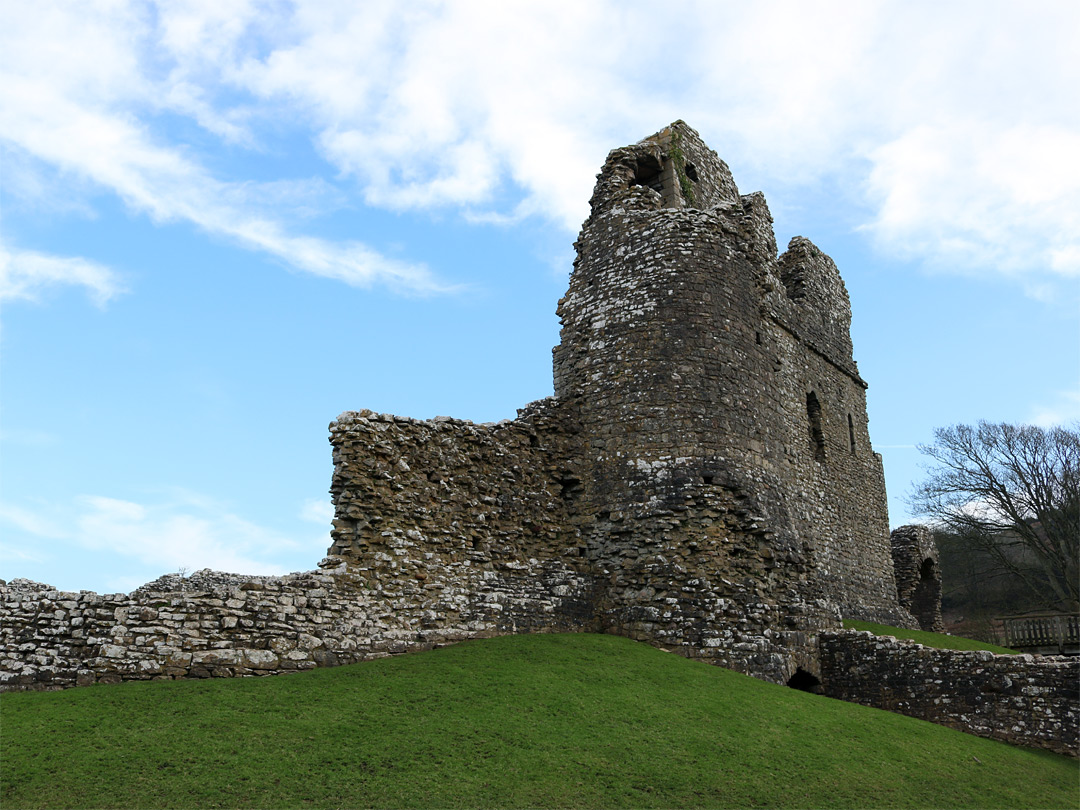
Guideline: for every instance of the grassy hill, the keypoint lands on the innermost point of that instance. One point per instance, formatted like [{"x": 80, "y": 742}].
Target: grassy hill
[{"x": 520, "y": 721}]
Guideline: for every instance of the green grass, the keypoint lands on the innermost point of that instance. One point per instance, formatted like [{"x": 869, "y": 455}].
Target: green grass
[
  {"x": 939, "y": 640},
  {"x": 521, "y": 721}
]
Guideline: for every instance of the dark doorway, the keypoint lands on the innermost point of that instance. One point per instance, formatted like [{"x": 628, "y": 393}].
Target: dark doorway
[
  {"x": 817, "y": 435},
  {"x": 927, "y": 597},
  {"x": 804, "y": 682}
]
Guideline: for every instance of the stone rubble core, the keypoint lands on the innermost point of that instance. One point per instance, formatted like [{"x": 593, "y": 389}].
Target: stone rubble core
[{"x": 702, "y": 480}]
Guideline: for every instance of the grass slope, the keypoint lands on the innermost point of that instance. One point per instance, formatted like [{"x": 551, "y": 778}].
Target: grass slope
[
  {"x": 940, "y": 640},
  {"x": 521, "y": 721}
]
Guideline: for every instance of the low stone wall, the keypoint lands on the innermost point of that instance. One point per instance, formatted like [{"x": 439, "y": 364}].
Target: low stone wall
[
  {"x": 223, "y": 625},
  {"x": 1027, "y": 700}
]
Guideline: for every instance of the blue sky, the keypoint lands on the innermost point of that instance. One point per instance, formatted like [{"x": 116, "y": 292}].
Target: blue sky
[{"x": 224, "y": 223}]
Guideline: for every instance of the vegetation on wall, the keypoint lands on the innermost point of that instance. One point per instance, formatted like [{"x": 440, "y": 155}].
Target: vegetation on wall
[{"x": 678, "y": 160}]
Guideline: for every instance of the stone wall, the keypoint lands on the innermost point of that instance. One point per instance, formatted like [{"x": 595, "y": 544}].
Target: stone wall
[
  {"x": 223, "y": 625},
  {"x": 448, "y": 505},
  {"x": 1027, "y": 700}
]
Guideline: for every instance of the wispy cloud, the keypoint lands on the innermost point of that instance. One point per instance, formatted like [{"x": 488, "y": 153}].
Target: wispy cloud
[
  {"x": 31, "y": 522},
  {"x": 185, "y": 530},
  {"x": 317, "y": 510},
  {"x": 26, "y": 274},
  {"x": 90, "y": 125},
  {"x": 1063, "y": 410}
]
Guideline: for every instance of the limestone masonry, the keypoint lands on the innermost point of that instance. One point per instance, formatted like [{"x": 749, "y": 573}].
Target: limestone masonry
[{"x": 702, "y": 480}]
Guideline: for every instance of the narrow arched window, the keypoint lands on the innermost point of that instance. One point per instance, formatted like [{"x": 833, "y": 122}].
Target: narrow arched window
[
  {"x": 851, "y": 432},
  {"x": 817, "y": 435}
]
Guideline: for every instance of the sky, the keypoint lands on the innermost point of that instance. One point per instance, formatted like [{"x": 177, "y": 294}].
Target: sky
[{"x": 224, "y": 222}]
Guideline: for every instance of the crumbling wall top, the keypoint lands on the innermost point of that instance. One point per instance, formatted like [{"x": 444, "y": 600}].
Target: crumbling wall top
[{"x": 671, "y": 169}]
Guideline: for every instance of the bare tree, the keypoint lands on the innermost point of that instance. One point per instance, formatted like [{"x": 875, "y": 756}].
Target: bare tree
[{"x": 1014, "y": 492}]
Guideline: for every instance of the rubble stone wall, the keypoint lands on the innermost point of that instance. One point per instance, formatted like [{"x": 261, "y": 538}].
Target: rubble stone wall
[
  {"x": 1027, "y": 700},
  {"x": 445, "y": 503},
  {"x": 223, "y": 625}
]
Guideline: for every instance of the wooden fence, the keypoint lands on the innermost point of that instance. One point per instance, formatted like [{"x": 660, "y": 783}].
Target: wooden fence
[{"x": 1045, "y": 633}]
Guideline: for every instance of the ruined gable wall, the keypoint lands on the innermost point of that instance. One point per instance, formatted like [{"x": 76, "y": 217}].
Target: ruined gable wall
[{"x": 456, "y": 506}]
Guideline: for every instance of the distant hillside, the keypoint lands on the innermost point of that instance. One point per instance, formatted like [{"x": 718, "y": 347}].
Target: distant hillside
[{"x": 520, "y": 721}]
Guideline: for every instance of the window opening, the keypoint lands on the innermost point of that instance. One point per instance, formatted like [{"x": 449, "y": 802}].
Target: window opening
[
  {"x": 817, "y": 436},
  {"x": 569, "y": 487},
  {"x": 851, "y": 432},
  {"x": 647, "y": 173}
]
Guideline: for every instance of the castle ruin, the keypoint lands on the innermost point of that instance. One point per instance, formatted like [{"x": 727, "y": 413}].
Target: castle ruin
[{"x": 703, "y": 478}]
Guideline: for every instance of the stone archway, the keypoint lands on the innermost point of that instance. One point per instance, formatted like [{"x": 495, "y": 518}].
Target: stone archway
[{"x": 918, "y": 577}]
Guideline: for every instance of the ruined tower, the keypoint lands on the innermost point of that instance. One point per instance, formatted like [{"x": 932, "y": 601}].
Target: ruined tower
[{"x": 703, "y": 478}]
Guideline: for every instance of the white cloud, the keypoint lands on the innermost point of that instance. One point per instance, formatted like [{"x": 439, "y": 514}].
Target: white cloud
[
  {"x": 160, "y": 536},
  {"x": 1063, "y": 410},
  {"x": 11, "y": 553},
  {"x": 84, "y": 119},
  {"x": 317, "y": 510},
  {"x": 186, "y": 530},
  {"x": 952, "y": 123},
  {"x": 965, "y": 163},
  {"x": 30, "y": 522},
  {"x": 1008, "y": 199},
  {"x": 26, "y": 274}
]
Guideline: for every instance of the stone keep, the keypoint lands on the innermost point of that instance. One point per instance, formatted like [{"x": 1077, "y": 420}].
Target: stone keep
[{"x": 703, "y": 478}]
